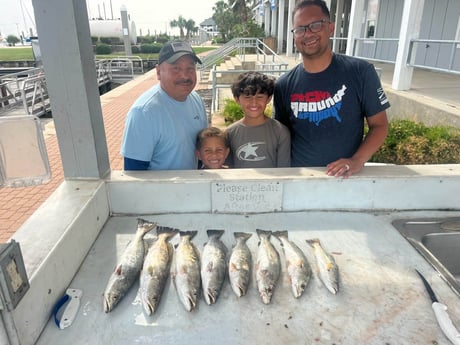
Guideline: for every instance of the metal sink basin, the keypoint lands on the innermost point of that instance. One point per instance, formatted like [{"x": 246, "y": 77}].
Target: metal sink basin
[{"x": 438, "y": 240}]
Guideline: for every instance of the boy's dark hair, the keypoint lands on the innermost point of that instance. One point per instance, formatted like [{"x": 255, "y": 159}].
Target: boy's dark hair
[
  {"x": 304, "y": 3},
  {"x": 250, "y": 83},
  {"x": 210, "y": 132}
]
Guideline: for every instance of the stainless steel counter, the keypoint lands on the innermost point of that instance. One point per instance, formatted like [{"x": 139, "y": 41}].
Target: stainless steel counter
[{"x": 381, "y": 299}]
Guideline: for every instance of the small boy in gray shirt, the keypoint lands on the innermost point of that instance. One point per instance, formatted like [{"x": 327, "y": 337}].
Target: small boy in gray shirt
[{"x": 257, "y": 141}]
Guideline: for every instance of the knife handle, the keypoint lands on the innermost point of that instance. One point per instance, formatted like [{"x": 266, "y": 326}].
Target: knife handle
[
  {"x": 440, "y": 310},
  {"x": 70, "y": 312}
]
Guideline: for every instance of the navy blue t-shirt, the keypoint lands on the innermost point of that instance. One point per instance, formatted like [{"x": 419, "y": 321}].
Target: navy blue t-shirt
[{"x": 325, "y": 111}]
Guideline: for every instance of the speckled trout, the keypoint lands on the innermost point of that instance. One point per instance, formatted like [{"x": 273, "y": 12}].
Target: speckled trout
[
  {"x": 213, "y": 266},
  {"x": 328, "y": 271},
  {"x": 186, "y": 275},
  {"x": 128, "y": 268},
  {"x": 155, "y": 270},
  {"x": 267, "y": 266},
  {"x": 297, "y": 266},
  {"x": 239, "y": 264}
]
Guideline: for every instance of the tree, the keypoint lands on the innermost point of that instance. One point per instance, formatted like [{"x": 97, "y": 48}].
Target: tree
[
  {"x": 12, "y": 40},
  {"x": 248, "y": 29},
  {"x": 190, "y": 27},
  {"x": 180, "y": 23},
  {"x": 224, "y": 18},
  {"x": 232, "y": 19},
  {"x": 239, "y": 8}
]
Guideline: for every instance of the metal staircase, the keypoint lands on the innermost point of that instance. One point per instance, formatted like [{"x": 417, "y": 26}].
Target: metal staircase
[
  {"x": 246, "y": 54},
  {"x": 246, "y": 49}
]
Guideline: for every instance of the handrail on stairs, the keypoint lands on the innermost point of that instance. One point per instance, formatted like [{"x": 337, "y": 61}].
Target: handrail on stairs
[
  {"x": 241, "y": 47},
  {"x": 253, "y": 50}
]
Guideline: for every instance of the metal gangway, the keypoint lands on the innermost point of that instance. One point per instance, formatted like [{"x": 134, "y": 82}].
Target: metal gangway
[
  {"x": 124, "y": 68},
  {"x": 25, "y": 92}
]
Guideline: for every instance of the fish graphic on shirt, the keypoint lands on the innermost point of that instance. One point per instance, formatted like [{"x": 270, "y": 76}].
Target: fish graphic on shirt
[{"x": 248, "y": 152}]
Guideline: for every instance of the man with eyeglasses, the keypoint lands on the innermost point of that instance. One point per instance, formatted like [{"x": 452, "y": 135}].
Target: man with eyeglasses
[{"x": 325, "y": 99}]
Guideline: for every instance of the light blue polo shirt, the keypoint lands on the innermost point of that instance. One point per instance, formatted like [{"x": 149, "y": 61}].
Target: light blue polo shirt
[{"x": 163, "y": 131}]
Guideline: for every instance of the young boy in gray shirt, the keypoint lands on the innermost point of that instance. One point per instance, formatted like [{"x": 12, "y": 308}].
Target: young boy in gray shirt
[{"x": 257, "y": 141}]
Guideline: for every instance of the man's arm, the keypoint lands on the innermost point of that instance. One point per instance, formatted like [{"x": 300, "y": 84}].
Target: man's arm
[
  {"x": 134, "y": 164},
  {"x": 378, "y": 130}
]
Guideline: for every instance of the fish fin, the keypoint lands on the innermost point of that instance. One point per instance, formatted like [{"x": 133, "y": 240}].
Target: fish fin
[
  {"x": 183, "y": 269},
  {"x": 209, "y": 266},
  {"x": 118, "y": 269},
  {"x": 262, "y": 233},
  {"x": 244, "y": 235},
  {"x": 300, "y": 263},
  {"x": 215, "y": 232},
  {"x": 232, "y": 267}
]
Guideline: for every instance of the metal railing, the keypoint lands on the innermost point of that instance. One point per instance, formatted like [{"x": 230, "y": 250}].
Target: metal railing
[
  {"x": 26, "y": 89},
  {"x": 442, "y": 55},
  {"x": 376, "y": 49},
  {"x": 274, "y": 72},
  {"x": 250, "y": 51},
  {"x": 103, "y": 72},
  {"x": 266, "y": 58},
  {"x": 123, "y": 68},
  {"x": 444, "y": 48}
]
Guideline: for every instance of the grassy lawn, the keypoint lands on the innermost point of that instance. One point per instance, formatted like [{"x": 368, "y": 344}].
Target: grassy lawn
[
  {"x": 153, "y": 56},
  {"x": 16, "y": 54},
  {"x": 25, "y": 53}
]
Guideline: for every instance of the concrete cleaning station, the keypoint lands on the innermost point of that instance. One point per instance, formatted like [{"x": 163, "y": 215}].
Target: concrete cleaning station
[{"x": 75, "y": 237}]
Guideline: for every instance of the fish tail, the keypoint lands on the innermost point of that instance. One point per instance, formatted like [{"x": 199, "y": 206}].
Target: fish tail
[
  {"x": 215, "y": 233},
  {"x": 243, "y": 235},
  {"x": 313, "y": 241},
  {"x": 144, "y": 226},
  {"x": 190, "y": 234},
  {"x": 170, "y": 232},
  {"x": 281, "y": 234},
  {"x": 263, "y": 233}
]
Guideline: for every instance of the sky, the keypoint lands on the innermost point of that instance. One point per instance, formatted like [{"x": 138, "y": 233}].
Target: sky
[{"x": 17, "y": 16}]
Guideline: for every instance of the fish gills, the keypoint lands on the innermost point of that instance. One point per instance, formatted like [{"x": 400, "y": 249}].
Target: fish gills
[
  {"x": 267, "y": 267},
  {"x": 213, "y": 266},
  {"x": 297, "y": 266},
  {"x": 186, "y": 275},
  {"x": 328, "y": 270},
  {"x": 128, "y": 268},
  {"x": 239, "y": 265},
  {"x": 155, "y": 270}
]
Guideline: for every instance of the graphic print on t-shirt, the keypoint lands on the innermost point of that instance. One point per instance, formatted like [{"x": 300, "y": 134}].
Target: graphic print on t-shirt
[
  {"x": 316, "y": 106},
  {"x": 248, "y": 152}
]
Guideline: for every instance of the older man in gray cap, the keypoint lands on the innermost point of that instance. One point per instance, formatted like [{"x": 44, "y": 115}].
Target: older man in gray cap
[{"x": 162, "y": 124}]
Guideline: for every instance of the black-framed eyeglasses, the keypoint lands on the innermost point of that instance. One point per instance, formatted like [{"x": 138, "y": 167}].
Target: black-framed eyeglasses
[{"x": 313, "y": 27}]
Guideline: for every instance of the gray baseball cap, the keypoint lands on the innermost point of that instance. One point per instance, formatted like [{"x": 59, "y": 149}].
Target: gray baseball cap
[{"x": 172, "y": 51}]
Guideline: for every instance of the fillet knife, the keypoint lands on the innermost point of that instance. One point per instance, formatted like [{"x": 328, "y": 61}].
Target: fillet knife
[{"x": 440, "y": 310}]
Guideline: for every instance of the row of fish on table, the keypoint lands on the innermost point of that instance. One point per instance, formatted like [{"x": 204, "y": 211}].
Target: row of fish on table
[{"x": 193, "y": 273}]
